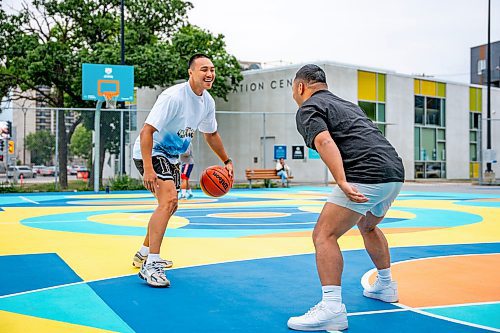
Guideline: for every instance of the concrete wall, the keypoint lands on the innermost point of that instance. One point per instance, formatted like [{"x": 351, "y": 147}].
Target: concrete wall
[
  {"x": 457, "y": 132},
  {"x": 400, "y": 114}
]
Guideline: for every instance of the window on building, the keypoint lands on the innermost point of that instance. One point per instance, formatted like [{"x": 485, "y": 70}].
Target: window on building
[
  {"x": 371, "y": 97},
  {"x": 430, "y": 131},
  {"x": 481, "y": 66},
  {"x": 475, "y": 106}
]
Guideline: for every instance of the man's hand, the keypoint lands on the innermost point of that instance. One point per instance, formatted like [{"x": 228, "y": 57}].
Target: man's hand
[
  {"x": 352, "y": 192},
  {"x": 150, "y": 180},
  {"x": 229, "y": 168}
]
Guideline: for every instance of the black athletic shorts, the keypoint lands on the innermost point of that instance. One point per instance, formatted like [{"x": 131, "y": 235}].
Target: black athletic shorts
[{"x": 163, "y": 168}]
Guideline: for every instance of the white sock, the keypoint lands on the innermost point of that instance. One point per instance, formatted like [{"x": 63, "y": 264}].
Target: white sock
[
  {"x": 384, "y": 276},
  {"x": 144, "y": 250},
  {"x": 189, "y": 191},
  {"x": 332, "y": 297},
  {"x": 183, "y": 192},
  {"x": 152, "y": 257}
]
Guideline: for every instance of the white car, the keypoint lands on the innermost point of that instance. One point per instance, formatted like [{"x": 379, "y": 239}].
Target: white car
[{"x": 20, "y": 170}]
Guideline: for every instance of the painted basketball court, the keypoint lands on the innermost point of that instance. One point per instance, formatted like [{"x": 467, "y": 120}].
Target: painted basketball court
[{"x": 242, "y": 263}]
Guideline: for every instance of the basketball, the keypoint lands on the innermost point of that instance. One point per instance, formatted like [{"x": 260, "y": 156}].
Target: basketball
[{"x": 215, "y": 181}]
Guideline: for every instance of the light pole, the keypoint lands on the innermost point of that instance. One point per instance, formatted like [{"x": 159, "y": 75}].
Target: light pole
[
  {"x": 488, "y": 174},
  {"x": 24, "y": 135}
]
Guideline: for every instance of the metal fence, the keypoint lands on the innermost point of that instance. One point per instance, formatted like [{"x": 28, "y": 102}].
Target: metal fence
[
  {"x": 43, "y": 136},
  {"x": 250, "y": 139}
]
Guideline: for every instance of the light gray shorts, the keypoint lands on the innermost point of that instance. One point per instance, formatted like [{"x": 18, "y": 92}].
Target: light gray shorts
[{"x": 380, "y": 197}]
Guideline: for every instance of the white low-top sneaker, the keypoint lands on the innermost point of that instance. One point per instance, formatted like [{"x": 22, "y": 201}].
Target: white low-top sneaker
[
  {"x": 319, "y": 317},
  {"x": 386, "y": 293},
  {"x": 154, "y": 274},
  {"x": 139, "y": 259}
]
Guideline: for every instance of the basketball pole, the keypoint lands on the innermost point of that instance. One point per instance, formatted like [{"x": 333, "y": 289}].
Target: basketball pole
[{"x": 97, "y": 144}]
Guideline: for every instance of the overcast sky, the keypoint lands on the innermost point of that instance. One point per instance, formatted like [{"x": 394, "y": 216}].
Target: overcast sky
[{"x": 408, "y": 36}]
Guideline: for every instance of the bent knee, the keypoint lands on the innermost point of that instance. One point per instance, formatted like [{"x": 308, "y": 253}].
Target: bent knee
[
  {"x": 323, "y": 238},
  {"x": 169, "y": 206}
]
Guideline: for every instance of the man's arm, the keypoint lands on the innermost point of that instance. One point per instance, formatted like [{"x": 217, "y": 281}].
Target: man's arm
[
  {"x": 150, "y": 179},
  {"x": 330, "y": 154},
  {"x": 214, "y": 141}
]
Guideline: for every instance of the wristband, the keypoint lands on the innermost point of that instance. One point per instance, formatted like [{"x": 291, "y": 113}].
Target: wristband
[{"x": 229, "y": 160}]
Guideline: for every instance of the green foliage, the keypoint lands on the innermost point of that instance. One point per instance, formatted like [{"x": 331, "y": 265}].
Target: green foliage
[
  {"x": 73, "y": 186},
  {"x": 191, "y": 40},
  {"x": 81, "y": 143},
  {"x": 125, "y": 183},
  {"x": 42, "y": 145},
  {"x": 45, "y": 43}
]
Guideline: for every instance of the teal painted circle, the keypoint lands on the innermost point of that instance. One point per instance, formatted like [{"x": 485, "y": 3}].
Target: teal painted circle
[{"x": 80, "y": 223}]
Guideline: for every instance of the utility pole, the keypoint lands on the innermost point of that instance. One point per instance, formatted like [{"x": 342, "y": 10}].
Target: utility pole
[
  {"x": 489, "y": 175},
  {"x": 122, "y": 104}
]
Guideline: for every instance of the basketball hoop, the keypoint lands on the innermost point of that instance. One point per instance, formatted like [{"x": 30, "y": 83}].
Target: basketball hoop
[{"x": 110, "y": 97}]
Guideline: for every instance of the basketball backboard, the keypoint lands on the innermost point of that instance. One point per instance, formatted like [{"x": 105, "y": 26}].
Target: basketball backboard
[{"x": 101, "y": 82}]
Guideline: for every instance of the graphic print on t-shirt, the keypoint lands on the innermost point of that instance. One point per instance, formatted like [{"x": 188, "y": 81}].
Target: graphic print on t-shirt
[{"x": 176, "y": 115}]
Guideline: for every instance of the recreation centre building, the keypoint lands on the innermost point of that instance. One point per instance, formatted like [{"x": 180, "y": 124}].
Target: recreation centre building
[{"x": 438, "y": 127}]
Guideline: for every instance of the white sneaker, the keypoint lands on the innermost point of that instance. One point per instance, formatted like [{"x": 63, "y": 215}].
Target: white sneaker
[
  {"x": 189, "y": 195},
  {"x": 154, "y": 274},
  {"x": 386, "y": 293},
  {"x": 319, "y": 317},
  {"x": 139, "y": 259}
]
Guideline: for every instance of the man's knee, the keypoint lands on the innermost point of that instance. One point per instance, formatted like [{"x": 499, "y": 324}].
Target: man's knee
[
  {"x": 169, "y": 206},
  {"x": 320, "y": 238},
  {"x": 367, "y": 224}
]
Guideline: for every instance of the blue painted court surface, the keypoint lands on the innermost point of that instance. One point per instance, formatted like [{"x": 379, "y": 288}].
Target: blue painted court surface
[{"x": 242, "y": 263}]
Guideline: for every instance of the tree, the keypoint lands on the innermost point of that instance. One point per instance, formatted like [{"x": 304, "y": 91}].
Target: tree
[
  {"x": 81, "y": 143},
  {"x": 44, "y": 44},
  {"x": 42, "y": 145}
]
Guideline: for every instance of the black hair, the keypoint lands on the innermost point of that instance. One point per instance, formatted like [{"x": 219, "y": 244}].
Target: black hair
[
  {"x": 311, "y": 74},
  {"x": 196, "y": 56}
]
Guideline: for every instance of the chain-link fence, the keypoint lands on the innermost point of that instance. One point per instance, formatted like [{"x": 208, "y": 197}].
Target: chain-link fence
[{"x": 56, "y": 145}]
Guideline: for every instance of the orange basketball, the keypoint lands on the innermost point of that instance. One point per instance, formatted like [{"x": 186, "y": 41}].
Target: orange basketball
[{"x": 215, "y": 181}]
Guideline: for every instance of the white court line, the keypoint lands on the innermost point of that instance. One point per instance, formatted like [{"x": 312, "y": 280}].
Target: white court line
[
  {"x": 365, "y": 278},
  {"x": 420, "y": 311},
  {"x": 29, "y": 200},
  {"x": 402, "y": 308}
]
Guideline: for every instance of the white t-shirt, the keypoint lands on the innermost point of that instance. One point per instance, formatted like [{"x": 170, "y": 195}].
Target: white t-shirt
[{"x": 177, "y": 114}]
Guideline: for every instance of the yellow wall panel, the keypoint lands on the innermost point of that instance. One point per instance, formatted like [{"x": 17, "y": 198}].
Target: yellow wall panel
[
  {"x": 416, "y": 85},
  {"x": 381, "y": 87},
  {"x": 367, "y": 86},
  {"x": 429, "y": 88},
  {"x": 441, "y": 89},
  {"x": 472, "y": 99},
  {"x": 479, "y": 99}
]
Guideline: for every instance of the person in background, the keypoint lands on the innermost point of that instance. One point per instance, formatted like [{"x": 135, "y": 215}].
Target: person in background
[
  {"x": 283, "y": 170},
  {"x": 187, "y": 164}
]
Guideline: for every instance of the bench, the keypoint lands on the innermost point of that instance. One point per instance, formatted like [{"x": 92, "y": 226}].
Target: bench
[{"x": 263, "y": 174}]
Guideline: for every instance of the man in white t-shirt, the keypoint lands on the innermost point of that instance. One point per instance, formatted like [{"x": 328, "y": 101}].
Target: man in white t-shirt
[{"x": 167, "y": 132}]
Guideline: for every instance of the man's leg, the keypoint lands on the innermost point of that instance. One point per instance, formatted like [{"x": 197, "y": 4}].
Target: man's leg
[
  {"x": 376, "y": 245},
  {"x": 330, "y": 313},
  {"x": 333, "y": 222},
  {"x": 152, "y": 270},
  {"x": 167, "y": 205},
  {"x": 375, "y": 242}
]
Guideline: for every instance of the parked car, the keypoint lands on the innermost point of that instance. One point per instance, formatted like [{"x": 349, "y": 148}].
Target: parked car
[
  {"x": 82, "y": 173},
  {"x": 20, "y": 170},
  {"x": 73, "y": 170},
  {"x": 48, "y": 171},
  {"x": 37, "y": 168}
]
